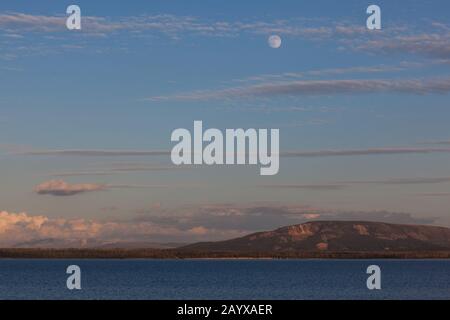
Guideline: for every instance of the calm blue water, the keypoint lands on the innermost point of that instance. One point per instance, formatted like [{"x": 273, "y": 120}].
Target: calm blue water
[{"x": 224, "y": 279}]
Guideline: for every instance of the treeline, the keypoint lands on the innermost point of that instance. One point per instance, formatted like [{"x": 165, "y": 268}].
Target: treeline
[{"x": 184, "y": 254}]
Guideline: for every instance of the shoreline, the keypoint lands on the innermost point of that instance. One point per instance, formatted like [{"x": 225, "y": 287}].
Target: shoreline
[{"x": 179, "y": 254}]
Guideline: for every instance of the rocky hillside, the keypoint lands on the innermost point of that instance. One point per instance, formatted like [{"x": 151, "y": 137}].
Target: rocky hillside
[{"x": 336, "y": 236}]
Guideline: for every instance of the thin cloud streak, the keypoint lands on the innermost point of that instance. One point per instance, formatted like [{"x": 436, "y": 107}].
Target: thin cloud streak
[
  {"x": 437, "y": 142},
  {"x": 433, "y": 194},
  {"x": 95, "y": 153},
  {"x": 317, "y": 87},
  {"x": 420, "y": 180},
  {"x": 288, "y": 76},
  {"x": 362, "y": 152},
  {"x": 315, "y": 187},
  {"x": 435, "y": 45},
  {"x": 62, "y": 188},
  {"x": 119, "y": 170},
  {"x": 344, "y": 184},
  {"x": 286, "y": 154}
]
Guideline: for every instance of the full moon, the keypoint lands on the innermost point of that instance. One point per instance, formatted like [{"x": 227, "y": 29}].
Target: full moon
[{"x": 274, "y": 41}]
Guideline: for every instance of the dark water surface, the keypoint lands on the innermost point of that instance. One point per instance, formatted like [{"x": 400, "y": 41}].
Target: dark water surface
[{"x": 225, "y": 279}]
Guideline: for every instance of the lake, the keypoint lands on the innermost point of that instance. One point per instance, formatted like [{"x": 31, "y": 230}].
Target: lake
[{"x": 224, "y": 279}]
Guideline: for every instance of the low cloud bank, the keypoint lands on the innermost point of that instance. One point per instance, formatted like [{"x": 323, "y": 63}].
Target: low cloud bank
[{"x": 187, "y": 224}]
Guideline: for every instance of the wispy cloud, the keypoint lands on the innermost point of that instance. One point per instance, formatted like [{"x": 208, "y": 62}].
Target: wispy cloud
[
  {"x": 338, "y": 185},
  {"x": 315, "y": 187},
  {"x": 437, "y": 142},
  {"x": 175, "y": 25},
  {"x": 12, "y": 69},
  {"x": 95, "y": 153},
  {"x": 62, "y": 188},
  {"x": 419, "y": 180},
  {"x": 364, "y": 152},
  {"x": 431, "y": 40},
  {"x": 31, "y": 22},
  {"x": 119, "y": 169},
  {"x": 288, "y": 76},
  {"x": 317, "y": 87},
  {"x": 23, "y": 22},
  {"x": 433, "y": 194},
  {"x": 287, "y": 154},
  {"x": 435, "y": 44},
  {"x": 277, "y": 109}
]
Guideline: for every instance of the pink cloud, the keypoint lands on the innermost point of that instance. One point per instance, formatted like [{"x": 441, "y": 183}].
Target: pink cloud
[
  {"x": 62, "y": 188},
  {"x": 24, "y": 230}
]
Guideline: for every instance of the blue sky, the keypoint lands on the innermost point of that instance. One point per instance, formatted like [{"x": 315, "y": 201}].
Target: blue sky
[{"x": 134, "y": 73}]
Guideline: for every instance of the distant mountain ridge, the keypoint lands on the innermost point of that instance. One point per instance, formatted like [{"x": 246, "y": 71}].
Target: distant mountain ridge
[
  {"x": 335, "y": 236},
  {"x": 50, "y": 243}
]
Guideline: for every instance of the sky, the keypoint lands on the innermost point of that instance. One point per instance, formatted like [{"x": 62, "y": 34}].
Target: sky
[{"x": 86, "y": 117}]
